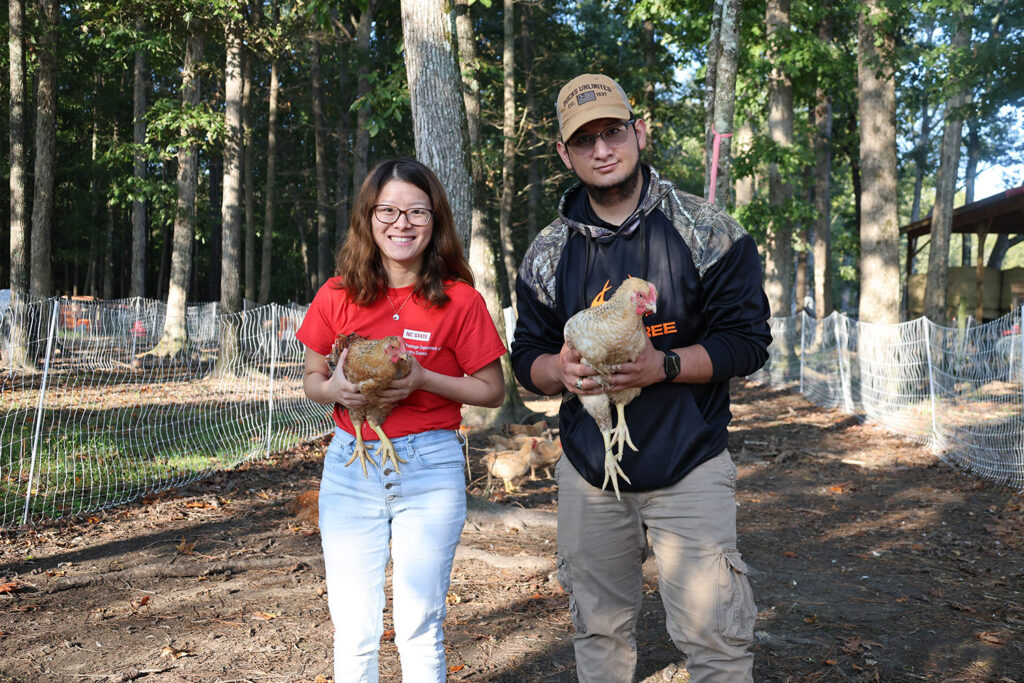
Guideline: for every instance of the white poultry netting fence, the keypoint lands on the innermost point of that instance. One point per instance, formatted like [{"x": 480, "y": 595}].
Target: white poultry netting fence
[
  {"x": 89, "y": 420},
  {"x": 960, "y": 391}
]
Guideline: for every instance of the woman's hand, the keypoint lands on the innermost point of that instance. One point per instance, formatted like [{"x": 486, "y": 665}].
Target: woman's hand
[
  {"x": 399, "y": 389},
  {"x": 343, "y": 391}
]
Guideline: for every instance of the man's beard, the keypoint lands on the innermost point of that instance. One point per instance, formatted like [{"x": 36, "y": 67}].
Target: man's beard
[{"x": 616, "y": 193}]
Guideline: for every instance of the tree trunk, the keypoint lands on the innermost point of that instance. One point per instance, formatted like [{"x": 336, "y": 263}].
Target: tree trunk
[
  {"x": 231, "y": 208},
  {"x": 343, "y": 169},
  {"x": 439, "y": 120},
  {"x": 921, "y": 158},
  {"x": 945, "y": 185},
  {"x": 173, "y": 340},
  {"x": 250, "y": 191},
  {"x": 323, "y": 232},
  {"x": 269, "y": 192},
  {"x": 879, "y": 224},
  {"x": 508, "y": 152},
  {"x": 724, "y": 100},
  {"x": 362, "y": 142},
  {"x": 534, "y": 144},
  {"x": 745, "y": 187},
  {"x": 482, "y": 258},
  {"x": 970, "y": 179},
  {"x": 710, "y": 83},
  {"x": 40, "y": 282},
  {"x": 18, "y": 207},
  {"x": 138, "y": 268},
  {"x": 822, "y": 184},
  {"x": 779, "y": 252}
]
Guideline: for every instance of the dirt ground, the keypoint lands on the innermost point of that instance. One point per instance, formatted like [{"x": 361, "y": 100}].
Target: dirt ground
[{"x": 871, "y": 561}]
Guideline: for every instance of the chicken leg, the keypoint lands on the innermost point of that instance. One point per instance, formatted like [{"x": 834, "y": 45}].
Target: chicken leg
[
  {"x": 386, "y": 449},
  {"x": 599, "y": 406},
  {"x": 360, "y": 450},
  {"x": 621, "y": 431}
]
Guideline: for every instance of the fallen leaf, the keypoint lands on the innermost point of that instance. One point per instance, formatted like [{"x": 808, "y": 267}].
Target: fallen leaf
[
  {"x": 831, "y": 662},
  {"x": 186, "y": 548},
  {"x": 789, "y": 553},
  {"x": 388, "y": 635},
  {"x": 10, "y": 587},
  {"x": 452, "y": 599},
  {"x": 813, "y": 619},
  {"x": 173, "y": 653},
  {"x": 453, "y": 669},
  {"x": 264, "y": 616},
  {"x": 990, "y": 638}
]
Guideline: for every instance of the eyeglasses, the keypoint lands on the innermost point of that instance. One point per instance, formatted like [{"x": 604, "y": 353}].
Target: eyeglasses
[
  {"x": 389, "y": 214},
  {"x": 613, "y": 136}
]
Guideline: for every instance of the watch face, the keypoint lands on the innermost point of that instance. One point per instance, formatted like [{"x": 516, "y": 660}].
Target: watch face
[{"x": 671, "y": 365}]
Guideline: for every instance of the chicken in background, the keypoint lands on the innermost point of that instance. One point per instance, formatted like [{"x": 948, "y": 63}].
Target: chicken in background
[
  {"x": 371, "y": 365},
  {"x": 306, "y": 507},
  {"x": 535, "y": 429},
  {"x": 544, "y": 455},
  {"x": 507, "y": 465},
  {"x": 607, "y": 336}
]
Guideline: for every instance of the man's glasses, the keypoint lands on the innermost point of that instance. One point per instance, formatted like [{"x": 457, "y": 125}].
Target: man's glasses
[
  {"x": 613, "y": 136},
  {"x": 389, "y": 214}
]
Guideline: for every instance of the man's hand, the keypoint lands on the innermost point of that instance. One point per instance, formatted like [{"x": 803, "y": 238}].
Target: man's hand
[
  {"x": 647, "y": 369},
  {"x": 574, "y": 375}
]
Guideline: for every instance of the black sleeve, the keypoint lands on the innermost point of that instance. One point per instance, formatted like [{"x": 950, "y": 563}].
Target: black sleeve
[
  {"x": 736, "y": 310},
  {"x": 538, "y": 331}
]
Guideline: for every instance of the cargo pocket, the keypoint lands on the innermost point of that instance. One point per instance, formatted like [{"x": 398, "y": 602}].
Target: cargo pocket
[
  {"x": 736, "y": 609},
  {"x": 565, "y": 578}
]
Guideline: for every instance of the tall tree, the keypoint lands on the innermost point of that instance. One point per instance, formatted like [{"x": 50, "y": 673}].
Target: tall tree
[
  {"x": 482, "y": 258},
  {"x": 823, "y": 180},
  {"x": 534, "y": 179},
  {"x": 248, "y": 177},
  {"x": 18, "y": 208},
  {"x": 361, "y": 148},
  {"x": 324, "y": 249},
  {"x": 508, "y": 148},
  {"x": 40, "y": 282},
  {"x": 174, "y": 336},
  {"x": 141, "y": 80},
  {"x": 231, "y": 202},
  {"x": 879, "y": 223},
  {"x": 949, "y": 165},
  {"x": 271, "y": 167},
  {"x": 723, "y": 103},
  {"x": 779, "y": 252},
  {"x": 439, "y": 118}
]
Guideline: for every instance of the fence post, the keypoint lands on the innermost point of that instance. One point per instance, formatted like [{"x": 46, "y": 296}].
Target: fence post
[
  {"x": 931, "y": 383},
  {"x": 841, "y": 334},
  {"x": 39, "y": 408},
  {"x": 803, "y": 345},
  {"x": 273, "y": 363}
]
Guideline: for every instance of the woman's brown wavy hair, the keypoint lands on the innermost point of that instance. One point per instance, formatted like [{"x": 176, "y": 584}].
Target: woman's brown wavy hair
[{"x": 359, "y": 264}]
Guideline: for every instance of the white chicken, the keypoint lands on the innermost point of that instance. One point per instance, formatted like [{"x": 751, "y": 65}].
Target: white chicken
[{"x": 606, "y": 336}]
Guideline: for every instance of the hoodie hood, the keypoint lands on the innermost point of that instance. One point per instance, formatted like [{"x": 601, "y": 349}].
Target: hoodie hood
[{"x": 656, "y": 191}]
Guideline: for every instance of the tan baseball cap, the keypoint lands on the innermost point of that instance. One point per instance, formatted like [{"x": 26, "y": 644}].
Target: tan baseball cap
[{"x": 589, "y": 97}]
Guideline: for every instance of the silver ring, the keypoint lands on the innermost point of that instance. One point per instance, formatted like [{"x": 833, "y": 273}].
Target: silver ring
[{"x": 579, "y": 383}]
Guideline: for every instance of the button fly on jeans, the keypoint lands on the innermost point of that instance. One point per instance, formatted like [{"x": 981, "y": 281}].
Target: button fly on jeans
[
  {"x": 389, "y": 484},
  {"x": 387, "y": 471},
  {"x": 390, "y": 498}
]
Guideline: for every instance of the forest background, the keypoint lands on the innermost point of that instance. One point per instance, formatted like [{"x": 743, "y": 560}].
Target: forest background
[{"x": 209, "y": 151}]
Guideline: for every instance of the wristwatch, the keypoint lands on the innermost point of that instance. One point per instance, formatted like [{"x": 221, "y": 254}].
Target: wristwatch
[{"x": 671, "y": 365}]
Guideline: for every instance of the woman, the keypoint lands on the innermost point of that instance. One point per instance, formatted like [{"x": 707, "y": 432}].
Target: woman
[{"x": 400, "y": 272}]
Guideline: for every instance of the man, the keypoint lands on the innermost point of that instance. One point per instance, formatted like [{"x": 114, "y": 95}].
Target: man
[{"x": 622, "y": 220}]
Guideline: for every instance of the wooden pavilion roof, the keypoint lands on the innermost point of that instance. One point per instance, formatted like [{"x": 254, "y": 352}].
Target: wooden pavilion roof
[{"x": 1002, "y": 213}]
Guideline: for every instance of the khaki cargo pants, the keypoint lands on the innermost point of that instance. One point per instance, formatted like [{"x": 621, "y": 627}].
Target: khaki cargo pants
[{"x": 602, "y": 543}]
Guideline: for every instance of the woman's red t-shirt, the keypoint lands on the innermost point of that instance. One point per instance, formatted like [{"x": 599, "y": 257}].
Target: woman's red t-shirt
[{"x": 456, "y": 339}]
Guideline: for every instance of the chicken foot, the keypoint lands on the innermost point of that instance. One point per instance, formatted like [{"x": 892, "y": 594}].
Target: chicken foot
[
  {"x": 612, "y": 469},
  {"x": 360, "y": 450},
  {"x": 386, "y": 449},
  {"x": 621, "y": 431}
]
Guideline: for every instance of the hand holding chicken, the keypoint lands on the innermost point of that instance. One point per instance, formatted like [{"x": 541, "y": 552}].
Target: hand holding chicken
[
  {"x": 372, "y": 365},
  {"x": 606, "y": 336}
]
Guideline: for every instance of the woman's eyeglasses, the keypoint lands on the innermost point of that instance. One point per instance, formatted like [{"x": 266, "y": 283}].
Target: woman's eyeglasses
[
  {"x": 389, "y": 214},
  {"x": 613, "y": 136}
]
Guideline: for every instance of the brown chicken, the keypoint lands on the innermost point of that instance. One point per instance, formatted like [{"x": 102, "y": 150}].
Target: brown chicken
[
  {"x": 607, "y": 336},
  {"x": 507, "y": 465},
  {"x": 306, "y": 506},
  {"x": 371, "y": 365},
  {"x": 544, "y": 455}
]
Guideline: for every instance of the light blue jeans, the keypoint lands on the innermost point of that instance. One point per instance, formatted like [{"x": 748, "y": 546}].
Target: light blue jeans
[{"x": 419, "y": 513}]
